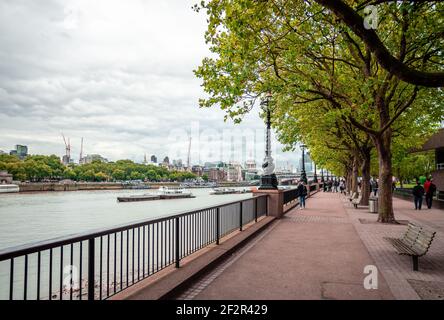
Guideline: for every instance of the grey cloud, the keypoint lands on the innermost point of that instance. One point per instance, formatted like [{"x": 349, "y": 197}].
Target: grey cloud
[{"x": 117, "y": 73}]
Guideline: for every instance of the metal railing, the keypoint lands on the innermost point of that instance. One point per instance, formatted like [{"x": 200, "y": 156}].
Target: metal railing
[
  {"x": 440, "y": 166},
  {"x": 290, "y": 196},
  {"x": 99, "y": 264}
]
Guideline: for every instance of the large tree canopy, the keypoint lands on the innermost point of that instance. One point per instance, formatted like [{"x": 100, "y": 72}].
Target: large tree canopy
[
  {"x": 314, "y": 64},
  {"x": 431, "y": 30}
]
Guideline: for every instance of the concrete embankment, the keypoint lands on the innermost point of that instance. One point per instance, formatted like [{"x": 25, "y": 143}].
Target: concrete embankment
[
  {"x": 38, "y": 187},
  {"x": 76, "y": 186}
]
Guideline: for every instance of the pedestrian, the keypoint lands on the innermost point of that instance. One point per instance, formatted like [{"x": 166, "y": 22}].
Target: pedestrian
[
  {"x": 430, "y": 189},
  {"x": 418, "y": 194},
  {"x": 336, "y": 185},
  {"x": 342, "y": 186},
  {"x": 374, "y": 186},
  {"x": 302, "y": 192}
]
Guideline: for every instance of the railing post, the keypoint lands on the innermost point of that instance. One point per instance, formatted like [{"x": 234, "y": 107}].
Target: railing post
[
  {"x": 91, "y": 271},
  {"x": 177, "y": 243},
  {"x": 240, "y": 216},
  {"x": 217, "y": 225},
  {"x": 255, "y": 209}
]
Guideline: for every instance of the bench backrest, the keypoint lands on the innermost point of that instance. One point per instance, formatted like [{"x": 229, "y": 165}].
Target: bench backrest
[
  {"x": 417, "y": 238},
  {"x": 411, "y": 234},
  {"x": 423, "y": 241}
]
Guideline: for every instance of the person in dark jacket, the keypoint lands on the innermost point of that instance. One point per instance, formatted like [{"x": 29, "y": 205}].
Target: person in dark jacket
[
  {"x": 418, "y": 194},
  {"x": 430, "y": 189},
  {"x": 302, "y": 191}
]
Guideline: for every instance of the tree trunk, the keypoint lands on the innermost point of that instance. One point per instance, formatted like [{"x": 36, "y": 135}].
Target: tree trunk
[
  {"x": 348, "y": 179},
  {"x": 365, "y": 182},
  {"x": 355, "y": 175},
  {"x": 383, "y": 146}
]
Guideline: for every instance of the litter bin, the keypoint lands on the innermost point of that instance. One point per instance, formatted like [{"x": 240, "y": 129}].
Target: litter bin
[{"x": 373, "y": 205}]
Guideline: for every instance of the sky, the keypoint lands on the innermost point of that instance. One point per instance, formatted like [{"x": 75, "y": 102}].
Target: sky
[{"x": 119, "y": 74}]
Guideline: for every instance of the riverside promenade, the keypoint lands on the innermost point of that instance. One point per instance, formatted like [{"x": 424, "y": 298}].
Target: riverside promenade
[{"x": 321, "y": 252}]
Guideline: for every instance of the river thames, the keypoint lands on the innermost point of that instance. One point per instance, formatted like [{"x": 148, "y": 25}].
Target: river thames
[{"x": 30, "y": 217}]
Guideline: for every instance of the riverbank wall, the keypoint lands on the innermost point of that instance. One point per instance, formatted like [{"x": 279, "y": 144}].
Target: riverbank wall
[
  {"x": 41, "y": 187},
  {"x": 77, "y": 186}
]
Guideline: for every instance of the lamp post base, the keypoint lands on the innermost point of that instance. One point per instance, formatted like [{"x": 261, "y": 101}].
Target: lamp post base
[{"x": 268, "y": 182}]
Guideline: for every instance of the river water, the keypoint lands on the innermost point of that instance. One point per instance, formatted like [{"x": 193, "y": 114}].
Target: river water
[{"x": 30, "y": 217}]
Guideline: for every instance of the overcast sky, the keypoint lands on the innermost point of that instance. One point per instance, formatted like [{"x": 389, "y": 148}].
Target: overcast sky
[{"x": 118, "y": 73}]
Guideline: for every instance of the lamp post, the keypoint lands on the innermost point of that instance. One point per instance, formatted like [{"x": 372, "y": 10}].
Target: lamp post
[
  {"x": 303, "y": 174},
  {"x": 322, "y": 174},
  {"x": 268, "y": 179},
  {"x": 315, "y": 176}
]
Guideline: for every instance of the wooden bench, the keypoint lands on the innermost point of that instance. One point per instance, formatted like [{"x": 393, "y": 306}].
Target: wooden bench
[
  {"x": 350, "y": 198},
  {"x": 415, "y": 243},
  {"x": 357, "y": 201}
]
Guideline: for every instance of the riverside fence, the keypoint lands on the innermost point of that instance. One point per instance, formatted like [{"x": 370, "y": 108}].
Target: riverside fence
[{"x": 99, "y": 264}]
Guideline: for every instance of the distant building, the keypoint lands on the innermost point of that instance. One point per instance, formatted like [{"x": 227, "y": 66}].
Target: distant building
[
  {"x": 66, "y": 160},
  {"x": 2, "y": 152},
  {"x": 436, "y": 143},
  {"x": 19, "y": 151},
  {"x": 93, "y": 157},
  {"x": 5, "y": 177},
  {"x": 308, "y": 163},
  {"x": 197, "y": 170},
  {"x": 250, "y": 165},
  {"x": 234, "y": 172},
  {"x": 178, "y": 163},
  {"x": 153, "y": 159},
  {"x": 216, "y": 174},
  {"x": 166, "y": 160}
]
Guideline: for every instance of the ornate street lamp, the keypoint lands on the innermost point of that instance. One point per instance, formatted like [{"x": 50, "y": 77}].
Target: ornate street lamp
[
  {"x": 315, "y": 176},
  {"x": 322, "y": 175},
  {"x": 303, "y": 174},
  {"x": 268, "y": 179}
]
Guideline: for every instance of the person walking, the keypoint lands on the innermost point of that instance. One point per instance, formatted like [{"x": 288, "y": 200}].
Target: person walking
[
  {"x": 302, "y": 192},
  {"x": 342, "y": 186},
  {"x": 374, "y": 186},
  {"x": 430, "y": 189},
  {"x": 336, "y": 185},
  {"x": 418, "y": 194}
]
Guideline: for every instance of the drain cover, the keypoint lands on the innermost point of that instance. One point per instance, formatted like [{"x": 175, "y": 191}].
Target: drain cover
[{"x": 428, "y": 290}]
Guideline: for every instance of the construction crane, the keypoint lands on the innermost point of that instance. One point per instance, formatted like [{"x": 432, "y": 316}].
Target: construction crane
[
  {"x": 81, "y": 152},
  {"x": 67, "y": 156},
  {"x": 189, "y": 156}
]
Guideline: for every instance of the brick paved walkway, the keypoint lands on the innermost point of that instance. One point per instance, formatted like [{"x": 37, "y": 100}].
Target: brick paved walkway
[
  {"x": 397, "y": 270},
  {"x": 315, "y": 253}
]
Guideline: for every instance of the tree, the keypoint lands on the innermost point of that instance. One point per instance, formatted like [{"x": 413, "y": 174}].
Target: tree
[
  {"x": 299, "y": 53},
  {"x": 432, "y": 38}
]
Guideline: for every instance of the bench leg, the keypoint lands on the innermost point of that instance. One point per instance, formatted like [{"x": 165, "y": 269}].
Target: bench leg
[{"x": 415, "y": 263}]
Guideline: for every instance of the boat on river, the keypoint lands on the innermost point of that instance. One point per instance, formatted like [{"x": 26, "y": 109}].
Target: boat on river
[
  {"x": 164, "y": 193},
  {"x": 9, "y": 188},
  {"x": 219, "y": 191}
]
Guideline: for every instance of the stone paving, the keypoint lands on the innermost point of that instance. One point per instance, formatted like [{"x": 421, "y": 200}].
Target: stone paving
[
  {"x": 320, "y": 253},
  {"x": 397, "y": 269},
  {"x": 314, "y": 253}
]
